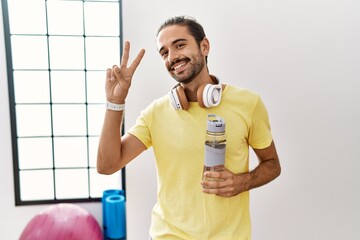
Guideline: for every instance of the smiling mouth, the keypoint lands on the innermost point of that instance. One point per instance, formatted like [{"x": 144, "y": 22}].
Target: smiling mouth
[{"x": 177, "y": 67}]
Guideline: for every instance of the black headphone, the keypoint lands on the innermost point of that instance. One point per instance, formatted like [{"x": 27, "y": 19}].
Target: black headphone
[{"x": 208, "y": 95}]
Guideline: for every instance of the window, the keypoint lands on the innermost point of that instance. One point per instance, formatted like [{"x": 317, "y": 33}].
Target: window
[{"x": 57, "y": 51}]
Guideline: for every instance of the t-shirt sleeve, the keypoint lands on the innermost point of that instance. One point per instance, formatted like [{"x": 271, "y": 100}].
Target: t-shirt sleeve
[
  {"x": 260, "y": 132},
  {"x": 141, "y": 128}
]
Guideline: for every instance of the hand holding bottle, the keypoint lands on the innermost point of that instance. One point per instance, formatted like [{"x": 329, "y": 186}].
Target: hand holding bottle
[{"x": 225, "y": 183}]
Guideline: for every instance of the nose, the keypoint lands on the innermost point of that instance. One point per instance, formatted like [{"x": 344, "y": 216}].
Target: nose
[{"x": 172, "y": 56}]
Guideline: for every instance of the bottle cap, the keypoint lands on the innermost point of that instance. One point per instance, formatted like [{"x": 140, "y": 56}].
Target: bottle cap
[{"x": 215, "y": 123}]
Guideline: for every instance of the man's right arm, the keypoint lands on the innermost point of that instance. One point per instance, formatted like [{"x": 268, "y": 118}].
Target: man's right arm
[{"x": 115, "y": 151}]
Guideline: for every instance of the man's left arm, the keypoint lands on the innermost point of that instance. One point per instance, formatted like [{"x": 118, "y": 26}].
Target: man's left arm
[{"x": 229, "y": 184}]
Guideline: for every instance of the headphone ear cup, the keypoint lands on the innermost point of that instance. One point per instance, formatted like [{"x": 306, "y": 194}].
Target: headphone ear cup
[
  {"x": 209, "y": 95},
  {"x": 182, "y": 98},
  {"x": 199, "y": 94}
]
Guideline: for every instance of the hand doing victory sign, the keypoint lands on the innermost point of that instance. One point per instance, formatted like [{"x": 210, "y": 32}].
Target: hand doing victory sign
[{"x": 118, "y": 78}]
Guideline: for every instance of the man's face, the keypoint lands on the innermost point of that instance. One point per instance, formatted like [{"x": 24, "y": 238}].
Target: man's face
[{"x": 180, "y": 53}]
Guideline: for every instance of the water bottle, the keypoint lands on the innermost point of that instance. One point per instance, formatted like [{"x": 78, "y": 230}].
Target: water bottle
[{"x": 215, "y": 144}]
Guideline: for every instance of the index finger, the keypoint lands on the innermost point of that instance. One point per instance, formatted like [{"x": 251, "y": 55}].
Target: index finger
[
  {"x": 137, "y": 60},
  {"x": 211, "y": 174}
]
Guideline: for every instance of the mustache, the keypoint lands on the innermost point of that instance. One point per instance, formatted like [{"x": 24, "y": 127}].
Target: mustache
[{"x": 177, "y": 61}]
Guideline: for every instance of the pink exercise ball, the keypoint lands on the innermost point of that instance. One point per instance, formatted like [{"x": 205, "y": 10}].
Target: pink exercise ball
[{"x": 62, "y": 222}]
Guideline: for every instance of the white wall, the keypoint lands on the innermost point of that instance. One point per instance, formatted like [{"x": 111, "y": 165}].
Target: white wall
[{"x": 303, "y": 57}]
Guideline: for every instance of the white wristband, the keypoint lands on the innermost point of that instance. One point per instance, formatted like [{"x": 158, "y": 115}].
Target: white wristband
[{"x": 115, "y": 106}]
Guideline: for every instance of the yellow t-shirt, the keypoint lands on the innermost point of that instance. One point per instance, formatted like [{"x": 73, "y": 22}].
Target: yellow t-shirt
[{"x": 183, "y": 211}]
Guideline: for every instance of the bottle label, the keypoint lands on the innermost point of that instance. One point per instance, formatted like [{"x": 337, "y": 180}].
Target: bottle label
[{"x": 214, "y": 156}]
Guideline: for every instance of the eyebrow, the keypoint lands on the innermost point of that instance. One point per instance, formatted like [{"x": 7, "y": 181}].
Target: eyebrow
[{"x": 174, "y": 42}]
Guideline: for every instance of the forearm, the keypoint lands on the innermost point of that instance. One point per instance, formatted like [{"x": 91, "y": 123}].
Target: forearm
[
  {"x": 228, "y": 184},
  {"x": 264, "y": 173},
  {"x": 109, "y": 152}
]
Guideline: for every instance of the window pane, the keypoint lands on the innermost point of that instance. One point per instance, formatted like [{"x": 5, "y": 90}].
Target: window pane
[
  {"x": 59, "y": 51},
  {"x": 35, "y": 153},
  {"x": 98, "y": 182},
  {"x": 96, "y": 86},
  {"x": 71, "y": 183},
  {"x": 27, "y": 17},
  {"x": 69, "y": 120},
  {"x": 101, "y": 18},
  {"x": 70, "y": 152},
  {"x": 93, "y": 147},
  {"x": 33, "y": 120},
  {"x": 102, "y": 52},
  {"x": 72, "y": 24},
  {"x": 66, "y": 52},
  {"x": 95, "y": 118},
  {"x": 37, "y": 81},
  {"x": 29, "y": 52},
  {"x": 32, "y": 181},
  {"x": 68, "y": 86}
]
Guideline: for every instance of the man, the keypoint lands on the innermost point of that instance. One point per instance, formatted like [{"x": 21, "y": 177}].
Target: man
[{"x": 189, "y": 207}]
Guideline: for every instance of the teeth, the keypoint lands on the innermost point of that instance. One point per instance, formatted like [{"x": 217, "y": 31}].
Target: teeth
[{"x": 178, "y": 66}]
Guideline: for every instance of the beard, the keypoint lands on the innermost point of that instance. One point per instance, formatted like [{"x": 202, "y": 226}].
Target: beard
[{"x": 192, "y": 71}]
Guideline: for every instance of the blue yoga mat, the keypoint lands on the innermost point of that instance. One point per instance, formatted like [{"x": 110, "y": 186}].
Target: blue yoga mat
[{"x": 114, "y": 214}]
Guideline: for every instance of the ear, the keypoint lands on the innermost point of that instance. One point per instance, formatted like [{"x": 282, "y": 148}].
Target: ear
[{"x": 205, "y": 46}]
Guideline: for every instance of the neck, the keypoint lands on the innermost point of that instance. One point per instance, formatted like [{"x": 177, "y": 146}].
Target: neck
[{"x": 192, "y": 87}]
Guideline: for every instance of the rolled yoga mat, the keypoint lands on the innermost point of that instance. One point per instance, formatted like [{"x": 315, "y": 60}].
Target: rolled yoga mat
[{"x": 114, "y": 214}]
